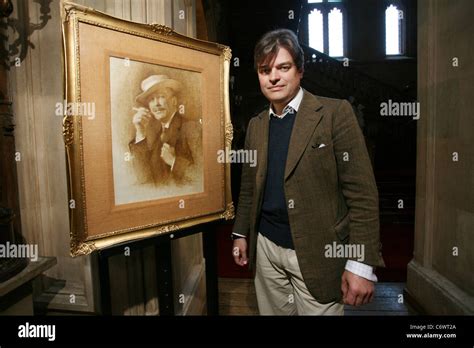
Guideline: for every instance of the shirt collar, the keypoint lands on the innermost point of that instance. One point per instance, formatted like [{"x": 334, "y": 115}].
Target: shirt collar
[
  {"x": 167, "y": 124},
  {"x": 291, "y": 107}
]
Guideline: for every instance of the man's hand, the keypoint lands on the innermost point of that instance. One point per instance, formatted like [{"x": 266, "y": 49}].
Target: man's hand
[
  {"x": 168, "y": 154},
  {"x": 356, "y": 290},
  {"x": 239, "y": 251},
  {"x": 141, "y": 119}
]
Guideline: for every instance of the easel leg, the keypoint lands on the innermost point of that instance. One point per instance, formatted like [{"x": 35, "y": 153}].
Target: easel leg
[
  {"x": 165, "y": 277},
  {"x": 210, "y": 254},
  {"x": 104, "y": 280}
]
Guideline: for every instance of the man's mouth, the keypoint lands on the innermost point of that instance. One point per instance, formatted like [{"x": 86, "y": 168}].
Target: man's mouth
[{"x": 275, "y": 88}]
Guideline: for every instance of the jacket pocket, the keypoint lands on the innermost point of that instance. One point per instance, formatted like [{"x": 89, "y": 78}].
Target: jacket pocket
[
  {"x": 342, "y": 227},
  {"x": 319, "y": 147}
]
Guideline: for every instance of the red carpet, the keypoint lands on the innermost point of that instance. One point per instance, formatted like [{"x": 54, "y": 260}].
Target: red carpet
[
  {"x": 225, "y": 262},
  {"x": 397, "y": 250}
]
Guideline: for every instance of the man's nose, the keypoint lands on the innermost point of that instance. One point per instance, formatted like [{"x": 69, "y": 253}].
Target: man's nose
[{"x": 274, "y": 76}]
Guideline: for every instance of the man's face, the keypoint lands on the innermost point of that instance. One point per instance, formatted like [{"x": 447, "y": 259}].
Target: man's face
[
  {"x": 279, "y": 79},
  {"x": 162, "y": 104}
]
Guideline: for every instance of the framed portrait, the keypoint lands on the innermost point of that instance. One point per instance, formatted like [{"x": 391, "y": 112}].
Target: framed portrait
[{"x": 146, "y": 111}]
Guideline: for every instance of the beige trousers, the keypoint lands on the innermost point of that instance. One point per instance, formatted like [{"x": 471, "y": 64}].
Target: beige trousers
[{"x": 280, "y": 287}]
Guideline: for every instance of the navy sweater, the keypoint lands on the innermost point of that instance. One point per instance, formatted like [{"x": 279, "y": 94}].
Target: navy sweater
[{"x": 274, "y": 222}]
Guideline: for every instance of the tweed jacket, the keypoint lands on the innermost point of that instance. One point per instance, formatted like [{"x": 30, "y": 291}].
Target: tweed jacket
[{"x": 329, "y": 185}]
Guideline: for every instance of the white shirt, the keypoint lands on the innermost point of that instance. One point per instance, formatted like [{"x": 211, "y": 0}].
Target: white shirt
[
  {"x": 358, "y": 268},
  {"x": 167, "y": 124},
  {"x": 292, "y": 106}
]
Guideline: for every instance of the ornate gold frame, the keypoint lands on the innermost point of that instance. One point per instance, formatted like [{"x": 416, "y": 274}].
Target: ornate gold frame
[{"x": 72, "y": 15}]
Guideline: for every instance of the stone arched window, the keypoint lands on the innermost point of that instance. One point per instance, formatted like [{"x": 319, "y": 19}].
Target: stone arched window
[
  {"x": 394, "y": 29},
  {"x": 326, "y": 26}
]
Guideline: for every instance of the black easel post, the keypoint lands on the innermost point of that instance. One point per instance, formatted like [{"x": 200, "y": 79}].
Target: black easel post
[
  {"x": 164, "y": 276},
  {"x": 210, "y": 254},
  {"x": 105, "y": 299}
]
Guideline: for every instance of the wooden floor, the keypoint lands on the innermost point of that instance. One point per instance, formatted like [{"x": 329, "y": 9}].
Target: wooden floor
[{"x": 237, "y": 297}]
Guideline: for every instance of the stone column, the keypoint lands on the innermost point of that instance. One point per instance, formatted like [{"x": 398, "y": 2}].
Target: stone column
[{"x": 440, "y": 276}]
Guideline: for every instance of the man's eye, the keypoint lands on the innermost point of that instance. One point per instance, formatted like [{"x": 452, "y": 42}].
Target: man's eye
[
  {"x": 264, "y": 71},
  {"x": 285, "y": 68}
]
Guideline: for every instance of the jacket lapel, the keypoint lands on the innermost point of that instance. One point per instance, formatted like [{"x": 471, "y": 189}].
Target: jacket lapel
[
  {"x": 309, "y": 114},
  {"x": 262, "y": 149}
]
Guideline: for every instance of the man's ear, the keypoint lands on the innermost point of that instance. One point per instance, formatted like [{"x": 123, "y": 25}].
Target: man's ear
[{"x": 175, "y": 101}]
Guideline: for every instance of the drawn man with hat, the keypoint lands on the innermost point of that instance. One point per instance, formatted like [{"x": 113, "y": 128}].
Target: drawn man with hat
[{"x": 167, "y": 146}]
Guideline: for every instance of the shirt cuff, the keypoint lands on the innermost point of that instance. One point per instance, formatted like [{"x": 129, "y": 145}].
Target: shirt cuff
[
  {"x": 361, "y": 269},
  {"x": 240, "y": 235}
]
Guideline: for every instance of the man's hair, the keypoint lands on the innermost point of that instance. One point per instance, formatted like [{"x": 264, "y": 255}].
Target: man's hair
[{"x": 268, "y": 46}]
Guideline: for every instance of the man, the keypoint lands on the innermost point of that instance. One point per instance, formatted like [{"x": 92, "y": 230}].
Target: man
[
  {"x": 312, "y": 189},
  {"x": 166, "y": 145}
]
